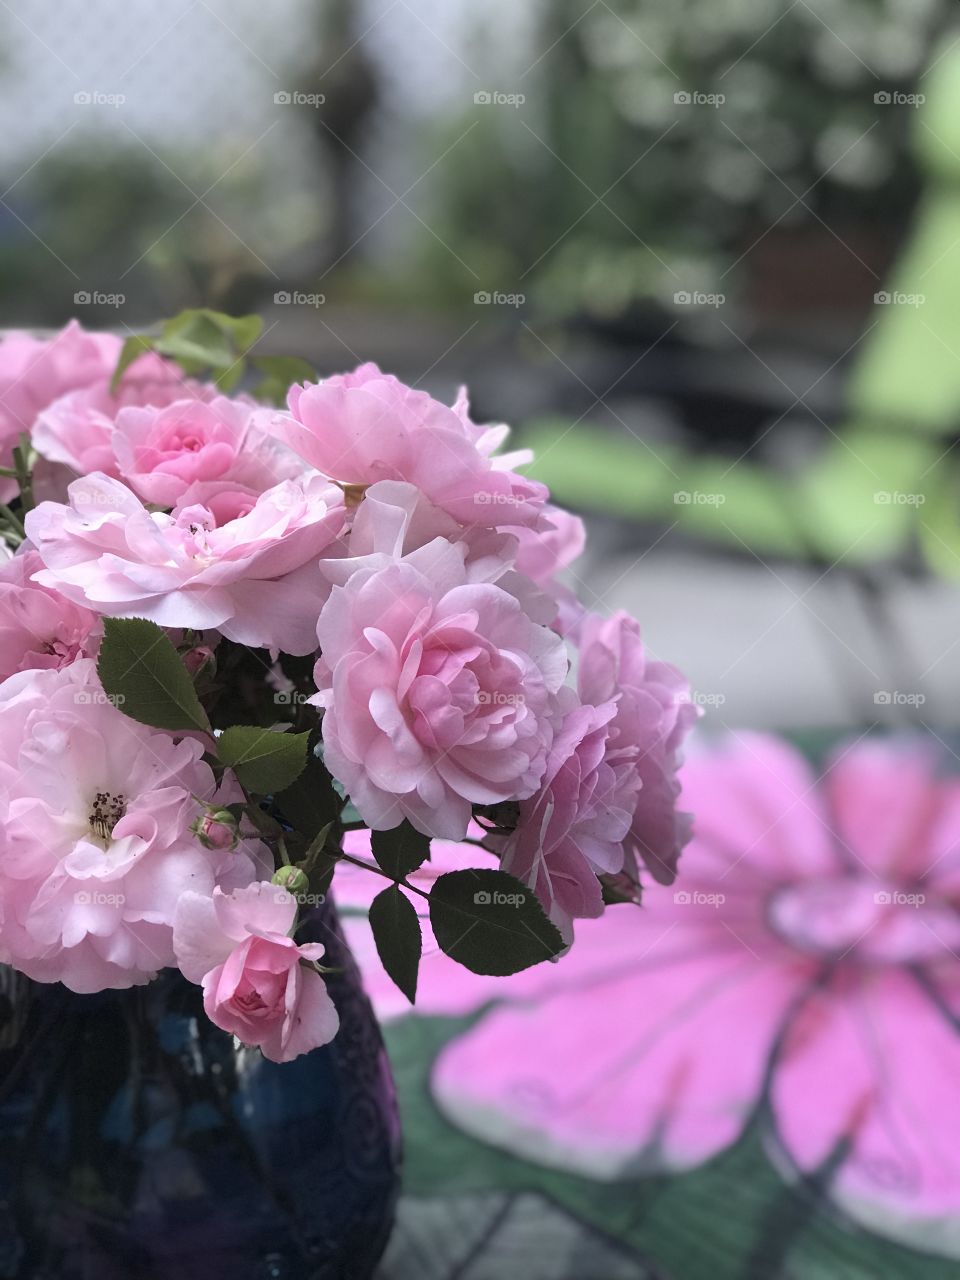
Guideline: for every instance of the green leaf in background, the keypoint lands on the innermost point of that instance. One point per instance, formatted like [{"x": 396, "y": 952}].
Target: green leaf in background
[
  {"x": 490, "y": 922},
  {"x": 400, "y": 851},
  {"x": 140, "y": 668},
  {"x": 200, "y": 341},
  {"x": 279, "y": 375},
  {"x": 396, "y": 931},
  {"x": 265, "y": 761}
]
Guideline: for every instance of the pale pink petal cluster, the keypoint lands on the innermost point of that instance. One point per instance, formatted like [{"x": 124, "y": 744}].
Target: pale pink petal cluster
[
  {"x": 244, "y": 563},
  {"x": 36, "y": 371},
  {"x": 257, "y": 982},
  {"x": 39, "y": 627},
  {"x": 96, "y": 846},
  {"x": 365, "y": 426},
  {"x": 654, "y": 715},
  {"x": 573, "y": 830},
  {"x": 440, "y": 693}
]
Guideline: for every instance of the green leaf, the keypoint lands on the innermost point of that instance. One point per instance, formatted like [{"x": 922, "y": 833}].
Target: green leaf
[
  {"x": 264, "y": 761},
  {"x": 132, "y": 350},
  {"x": 310, "y": 803},
  {"x": 279, "y": 375},
  {"x": 490, "y": 922},
  {"x": 400, "y": 851},
  {"x": 396, "y": 931},
  {"x": 140, "y": 668}
]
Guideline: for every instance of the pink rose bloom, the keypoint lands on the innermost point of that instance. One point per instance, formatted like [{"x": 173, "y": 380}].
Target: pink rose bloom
[
  {"x": 573, "y": 829},
  {"x": 161, "y": 452},
  {"x": 244, "y": 563},
  {"x": 654, "y": 715},
  {"x": 36, "y": 371},
  {"x": 805, "y": 979},
  {"x": 366, "y": 426},
  {"x": 76, "y": 430},
  {"x": 39, "y": 628},
  {"x": 257, "y": 983},
  {"x": 440, "y": 693},
  {"x": 96, "y": 846}
]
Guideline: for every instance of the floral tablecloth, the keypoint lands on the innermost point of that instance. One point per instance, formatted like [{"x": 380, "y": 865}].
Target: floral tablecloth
[{"x": 753, "y": 1076}]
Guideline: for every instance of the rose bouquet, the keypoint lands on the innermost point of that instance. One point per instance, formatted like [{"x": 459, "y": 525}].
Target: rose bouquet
[{"x": 233, "y": 632}]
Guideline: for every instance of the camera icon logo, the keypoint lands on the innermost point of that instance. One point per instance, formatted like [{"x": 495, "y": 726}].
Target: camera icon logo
[
  {"x": 81, "y": 299},
  {"x": 283, "y": 98},
  {"x": 682, "y": 98},
  {"x": 882, "y": 98},
  {"x": 882, "y": 299},
  {"x": 682, "y": 498},
  {"x": 481, "y": 298},
  {"x": 483, "y": 98},
  {"x": 682, "y": 299},
  {"x": 482, "y": 898},
  {"x": 883, "y": 898},
  {"x": 282, "y": 298},
  {"x": 882, "y": 698},
  {"x": 682, "y": 898},
  {"x": 83, "y": 98}
]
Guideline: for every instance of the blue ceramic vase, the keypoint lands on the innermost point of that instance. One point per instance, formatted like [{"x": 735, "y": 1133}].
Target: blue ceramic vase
[{"x": 138, "y": 1140}]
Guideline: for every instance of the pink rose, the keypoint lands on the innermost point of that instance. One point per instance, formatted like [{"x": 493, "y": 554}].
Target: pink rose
[
  {"x": 244, "y": 563},
  {"x": 440, "y": 692},
  {"x": 654, "y": 715},
  {"x": 76, "y": 430},
  {"x": 36, "y": 371},
  {"x": 39, "y": 627},
  {"x": 573, "y": 829},
  {"x": 96, "y": 845},
  {"x": 257, "y": 983},
  {"x": 366, "y": 426},
  {"x": 162, "y": 452}
]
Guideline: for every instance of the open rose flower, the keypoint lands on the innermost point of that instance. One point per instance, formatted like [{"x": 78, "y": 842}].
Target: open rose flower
[
  {"x": 36, "y": 371},
  {"x": 654, "y": 715},
  {"x": 366, "y": 426},
  {"x": 257, "y": 982},
  {"x": 76, "y": 430},
  {"x": 572, "y": 830},
  {"x": 439, "y": 693},
  {"x": 810, "y": 961},
  {"x": 243, "y": 563},
  {"x": 39, "y": 628},
  {"x": 96, "y": 846},
  {"x": 161, "y": 452}
]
